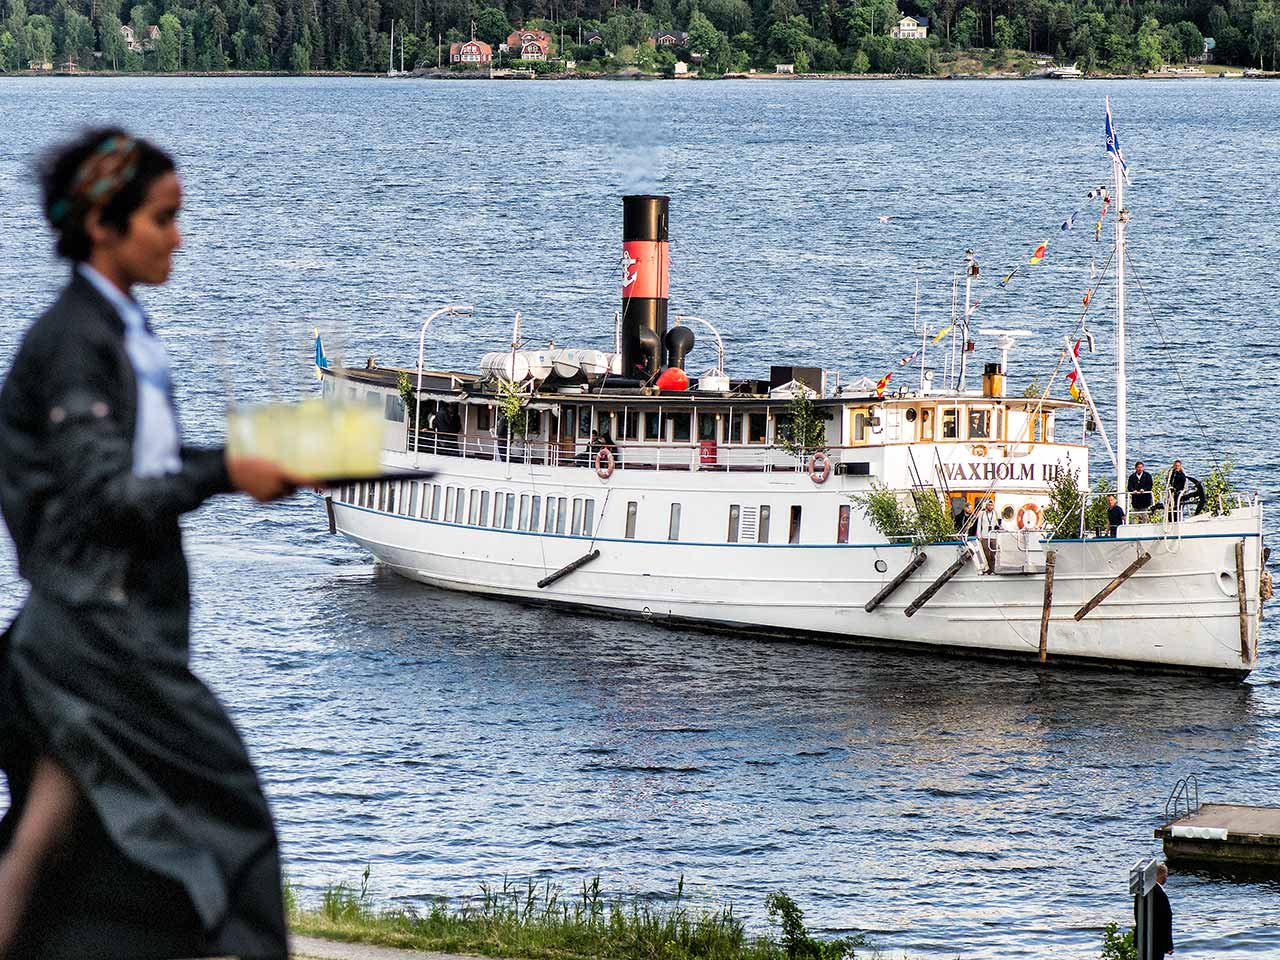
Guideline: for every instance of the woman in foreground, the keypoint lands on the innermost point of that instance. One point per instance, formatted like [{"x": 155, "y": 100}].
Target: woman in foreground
[{"x": 137, "y": 827}]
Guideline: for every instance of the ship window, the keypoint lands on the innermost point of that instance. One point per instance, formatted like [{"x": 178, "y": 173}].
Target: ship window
[
  {"x": 949, "y": 424},
  {"x": 680, "y": 428},
  {"x": 413, "y": 499},
  {"x": 509, "y": 518},
  {"x": 473, "y": 508},
  {"x": 484, "y": 418},
  {"x": 459, "y": 506},
  {"x": 757, "y": 427},
  {"x": 393, "y": 410},
  {"x": 535, "y": 511},
  {"x": 734, "y": 512},
  {"x": 562, "y": 515},
  {"x": 979, "y": 424},
  {"x": 630, "y": 425},
  {"x": 448, "y": 503},
  {"x": 793, "y": 535},
  {"x": 584, "y": 422},
  {"x": 632, "y": 507},
  {"x": 653, "y": 426},
  {"x": 707, "y": 427},
  {"x": 435, "y": 501},
  {"x": 484, "y": 507},
  {"x": 524, "y": 512},
  {"x": 575, "y": 528},
  {"x": 842, "y": 525},
  {"x": 550, "y": 525},
  {"x": 762, "y": 529},
  {"x": 588, "y": 516},
  {"x": 735, "y": 428},
  {"x": 673, "y": 527}
]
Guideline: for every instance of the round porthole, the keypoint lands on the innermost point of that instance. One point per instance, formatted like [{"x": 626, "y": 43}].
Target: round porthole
[{"x": 881, "y": 567}]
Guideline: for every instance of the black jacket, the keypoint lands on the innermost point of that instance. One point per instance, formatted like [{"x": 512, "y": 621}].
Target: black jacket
[{"x": 84, "y": 526}]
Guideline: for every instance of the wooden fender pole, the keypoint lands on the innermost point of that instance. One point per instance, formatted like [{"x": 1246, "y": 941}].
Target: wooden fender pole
[
  {"x": 1244, "y": 603},
  {"x": 567, "y": 569},
  {"x": 1051, "y": 558},
  {"x": 1113, "y": 586},
  {"x": 915, "y": 564},
  {"x": 934, "y": 587}
]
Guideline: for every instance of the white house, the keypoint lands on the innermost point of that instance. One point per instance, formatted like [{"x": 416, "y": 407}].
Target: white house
[{"x": 911, "y": 28}]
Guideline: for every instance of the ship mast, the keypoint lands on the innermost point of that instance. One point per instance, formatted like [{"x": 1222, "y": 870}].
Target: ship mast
[{"x": 1118, "y": 174}]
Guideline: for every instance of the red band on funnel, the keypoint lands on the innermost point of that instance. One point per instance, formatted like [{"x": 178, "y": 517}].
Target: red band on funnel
[{"x": 645, "y": 266}]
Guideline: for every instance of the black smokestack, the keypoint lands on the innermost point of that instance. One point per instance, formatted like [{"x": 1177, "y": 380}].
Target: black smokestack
[{"x": 646, "y": 263}]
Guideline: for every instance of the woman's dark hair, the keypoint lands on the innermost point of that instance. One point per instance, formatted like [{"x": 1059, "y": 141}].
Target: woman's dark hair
[{"x": 69, "y": 195}]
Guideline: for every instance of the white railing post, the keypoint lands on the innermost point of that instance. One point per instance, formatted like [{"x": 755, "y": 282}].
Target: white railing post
[{"x": 453, "y": 310}]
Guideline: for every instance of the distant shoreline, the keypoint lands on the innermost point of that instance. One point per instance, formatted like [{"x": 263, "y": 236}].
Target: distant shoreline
[{"x": 1209, "y": 74}]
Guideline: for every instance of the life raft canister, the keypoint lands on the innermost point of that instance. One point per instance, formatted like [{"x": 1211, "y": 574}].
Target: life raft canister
[
  {"x": 604, "y": 463},
  {"x": 819, "y": 467},
  {"x": 1037, "y": 515}
]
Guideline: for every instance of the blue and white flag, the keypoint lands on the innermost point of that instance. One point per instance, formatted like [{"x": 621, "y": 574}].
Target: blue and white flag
[{"x": 1113, "y": 144}]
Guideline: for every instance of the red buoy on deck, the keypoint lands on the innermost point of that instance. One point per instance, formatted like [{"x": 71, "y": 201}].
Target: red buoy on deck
[{"x": 673, "y": 378}]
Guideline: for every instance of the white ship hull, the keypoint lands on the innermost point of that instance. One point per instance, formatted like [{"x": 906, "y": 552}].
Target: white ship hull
[{"x": 1181, "y": 610}]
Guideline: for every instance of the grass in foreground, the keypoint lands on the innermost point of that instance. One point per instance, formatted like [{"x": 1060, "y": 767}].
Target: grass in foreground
[{"x": 539, "y": 923}]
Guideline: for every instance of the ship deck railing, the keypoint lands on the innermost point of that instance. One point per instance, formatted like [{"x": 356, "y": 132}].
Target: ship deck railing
[{"x": 634, "y": 455}]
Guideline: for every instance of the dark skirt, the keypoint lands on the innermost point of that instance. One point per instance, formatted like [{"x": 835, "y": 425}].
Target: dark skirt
[{"x": 174, "y": 852}]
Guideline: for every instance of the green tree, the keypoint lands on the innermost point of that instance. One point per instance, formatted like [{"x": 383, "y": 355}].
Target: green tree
[
  {"x": 967, "y": 28},
  {"x": 492, "y": 26},
  {"x": 169, "y": 44}
]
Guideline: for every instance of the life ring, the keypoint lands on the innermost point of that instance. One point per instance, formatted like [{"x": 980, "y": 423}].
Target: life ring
[
  {"x": 819, "y": 467},
  {"x": 604, "y": 463},
  {"x": 1035, "y": 512}
]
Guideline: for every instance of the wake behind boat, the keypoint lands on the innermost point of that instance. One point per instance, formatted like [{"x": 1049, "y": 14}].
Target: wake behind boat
[{"x": 611, "y": 480}]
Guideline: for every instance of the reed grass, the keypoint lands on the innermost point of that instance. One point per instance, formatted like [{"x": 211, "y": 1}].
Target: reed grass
[{"x": 537, "y": 921}]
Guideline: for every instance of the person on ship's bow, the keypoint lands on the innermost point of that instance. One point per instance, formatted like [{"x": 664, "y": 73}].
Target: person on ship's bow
[{"x": 137, "y": 828}]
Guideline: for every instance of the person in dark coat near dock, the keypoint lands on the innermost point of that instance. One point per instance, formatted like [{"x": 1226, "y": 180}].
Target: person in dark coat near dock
[
  {"x": 1161, "y": 916},
  {"x": 137, "y": 827}
]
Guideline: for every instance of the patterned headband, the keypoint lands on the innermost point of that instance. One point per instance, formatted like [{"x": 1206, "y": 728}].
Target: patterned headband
[{"x": 107, "y": 171}]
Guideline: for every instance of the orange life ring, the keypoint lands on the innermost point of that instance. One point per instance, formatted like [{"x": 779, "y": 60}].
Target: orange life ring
[
  {"x": 604, "y": 463},
  {"x": 819, "y": 467},
  {"x": 1035, "y": 512}
]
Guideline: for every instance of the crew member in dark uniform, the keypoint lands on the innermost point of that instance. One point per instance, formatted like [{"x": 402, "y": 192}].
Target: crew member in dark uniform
[
  {"x": 137, "y": 827},
  {"x": 1139, "y": 487},
  {"x": 1115, "y": 515},
  {"x": 1177, "y": 484}
]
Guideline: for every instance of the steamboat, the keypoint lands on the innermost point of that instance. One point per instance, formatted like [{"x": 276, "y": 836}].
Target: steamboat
[{"x": 613, "y": 481}]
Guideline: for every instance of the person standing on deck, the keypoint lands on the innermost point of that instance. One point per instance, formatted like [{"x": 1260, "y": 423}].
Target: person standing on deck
[
  {"x": 137, "y": 827},
  {"x": 1139, "y": 488},
  {"x": 1177, "y": 485},
  {"x": 1115, "y": 515},
  {"x": 988, "y": 526}
]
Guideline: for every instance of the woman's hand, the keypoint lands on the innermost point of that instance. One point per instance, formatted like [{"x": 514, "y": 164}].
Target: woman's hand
[{"x": 261, "y": 479}]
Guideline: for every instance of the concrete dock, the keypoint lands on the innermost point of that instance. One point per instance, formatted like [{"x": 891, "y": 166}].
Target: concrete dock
[{"x": 1224, "y": 833}]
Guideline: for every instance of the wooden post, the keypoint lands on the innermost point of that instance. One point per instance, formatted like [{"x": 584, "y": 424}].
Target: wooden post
[
  {"x": 1244, "y": 602},
  {"x": 1113, "y": 586},
  {"x": 1051, "y": 558},
  {"x": 915, "y": 564},
  {"x": 934, "y": 587}
]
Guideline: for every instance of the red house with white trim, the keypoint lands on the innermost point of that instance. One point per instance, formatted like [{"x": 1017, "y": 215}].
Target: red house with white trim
[{"x": 471, "y": 52}]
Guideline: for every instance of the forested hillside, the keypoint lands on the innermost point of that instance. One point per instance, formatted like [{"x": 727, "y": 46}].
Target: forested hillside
[{"x": 815, "y": 35}]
